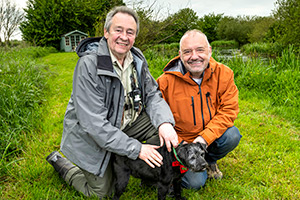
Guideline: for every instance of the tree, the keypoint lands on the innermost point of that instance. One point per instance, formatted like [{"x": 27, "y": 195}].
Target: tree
[
  {"x": 287, "y": 27},
  {"x": 238, "y": 29},
  {"x": 178, "y": 23},
  {"x": 100, "y": 19},
  {"x": 47, "y": 20},
  {"x": 10, "y": 18},
  {"x": 209, "y": 25},
  {"x": 261, "y": 28}
]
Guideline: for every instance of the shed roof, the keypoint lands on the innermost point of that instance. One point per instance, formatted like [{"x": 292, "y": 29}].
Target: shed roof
[{"x": 75, "y": 31}]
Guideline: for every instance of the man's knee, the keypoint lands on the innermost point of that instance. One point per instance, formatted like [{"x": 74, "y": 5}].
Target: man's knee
[
  {"x": 222, "y": 146},
  {"x": 233, "y": 136},
  {"x": 194, "y": 180},
  {"x": 90, "y": 184},
  {"x": 194, "y": 184}
]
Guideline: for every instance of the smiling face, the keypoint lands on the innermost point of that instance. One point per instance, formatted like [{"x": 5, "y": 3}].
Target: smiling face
[
  {"x": 195, "y": 53},
  {"x": 121, "y": 35}
]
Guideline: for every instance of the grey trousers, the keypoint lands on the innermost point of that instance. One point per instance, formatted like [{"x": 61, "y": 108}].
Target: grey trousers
[{"x": 92, "y": 185}]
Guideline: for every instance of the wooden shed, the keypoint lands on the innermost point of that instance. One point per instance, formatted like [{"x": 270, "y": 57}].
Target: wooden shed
[{"x": 69, "y": 41}]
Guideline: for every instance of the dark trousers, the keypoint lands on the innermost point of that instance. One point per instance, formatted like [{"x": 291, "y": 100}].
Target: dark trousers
[{"x": 143, "y": 130}]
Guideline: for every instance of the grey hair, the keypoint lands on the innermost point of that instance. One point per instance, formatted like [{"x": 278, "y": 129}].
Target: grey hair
[
  {"x": 194, "y": 31},
  {"x": 121, "y": 9}
]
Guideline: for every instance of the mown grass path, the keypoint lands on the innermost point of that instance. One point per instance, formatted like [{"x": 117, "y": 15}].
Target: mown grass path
[{"x": 265, "y": 165}]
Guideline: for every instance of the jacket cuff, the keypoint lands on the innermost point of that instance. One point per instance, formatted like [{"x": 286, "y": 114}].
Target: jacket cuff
[
  {"x": 208, "y": 136},
  {"x": 134, "y": 151}
]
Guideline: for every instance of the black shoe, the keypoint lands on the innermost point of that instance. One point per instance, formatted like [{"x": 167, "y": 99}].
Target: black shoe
[{"x": 60, "y": 164}]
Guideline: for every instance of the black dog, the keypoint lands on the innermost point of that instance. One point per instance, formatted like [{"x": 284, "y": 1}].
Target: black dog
[{"x": 189, "y": 156}]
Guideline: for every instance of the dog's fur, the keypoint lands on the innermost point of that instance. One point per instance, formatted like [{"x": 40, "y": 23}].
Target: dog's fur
[{"x": 191, "y": 155}]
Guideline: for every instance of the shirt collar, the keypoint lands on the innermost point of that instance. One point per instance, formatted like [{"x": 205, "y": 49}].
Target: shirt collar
[{"x": 128, "y": 60}]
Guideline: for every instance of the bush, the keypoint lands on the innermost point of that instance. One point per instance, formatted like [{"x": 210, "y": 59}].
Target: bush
[
  {"x": 263, "y": 49},
  {"x": 232, "y": 44},
  {"x": 159, "y": 55}
]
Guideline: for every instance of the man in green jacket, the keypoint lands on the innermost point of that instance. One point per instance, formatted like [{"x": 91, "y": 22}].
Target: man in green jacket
[{"x": 115, "y": 104}]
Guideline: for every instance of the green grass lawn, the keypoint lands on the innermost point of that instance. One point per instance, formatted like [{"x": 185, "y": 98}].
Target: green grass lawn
[{"x": 265, "y": 165}]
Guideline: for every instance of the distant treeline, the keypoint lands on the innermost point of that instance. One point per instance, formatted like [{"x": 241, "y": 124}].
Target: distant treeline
[{"x": 46, "y": 21}]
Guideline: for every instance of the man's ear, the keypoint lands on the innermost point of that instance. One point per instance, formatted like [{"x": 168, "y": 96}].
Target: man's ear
[
  {"x": 106, "y": 33},
  {"x": 210, "y": 51}
]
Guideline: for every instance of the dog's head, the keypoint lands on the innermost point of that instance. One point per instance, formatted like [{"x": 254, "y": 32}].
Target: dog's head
[{"x": 192, "y": 156}]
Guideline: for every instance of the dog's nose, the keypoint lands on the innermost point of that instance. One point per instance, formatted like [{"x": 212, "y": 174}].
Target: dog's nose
[{"x": 203, "y": 165}]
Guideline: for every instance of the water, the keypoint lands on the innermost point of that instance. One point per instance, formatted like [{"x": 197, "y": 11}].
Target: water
[{"x": 226, "y": 54}]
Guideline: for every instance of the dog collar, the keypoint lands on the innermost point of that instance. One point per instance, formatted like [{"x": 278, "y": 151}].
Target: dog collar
[
  {"x": 178, "y": 162},
  {"x": 175, "y": 154}
]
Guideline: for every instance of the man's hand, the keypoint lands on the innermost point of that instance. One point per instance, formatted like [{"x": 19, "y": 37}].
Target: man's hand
[
  {"x": 149, "y": 154},
  {"x": 201, "y": 140},
  {"x": 168, "y": 134}
]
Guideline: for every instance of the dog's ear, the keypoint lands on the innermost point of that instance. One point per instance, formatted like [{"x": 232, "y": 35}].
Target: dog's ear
[
  {"x": 203, "y": 147},
  {"x": 182, "y": 152}
]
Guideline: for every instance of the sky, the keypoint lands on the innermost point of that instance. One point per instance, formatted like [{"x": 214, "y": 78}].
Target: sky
[
  {"x": 204, "y": 7},
  {"x": 201, "y": 7}
]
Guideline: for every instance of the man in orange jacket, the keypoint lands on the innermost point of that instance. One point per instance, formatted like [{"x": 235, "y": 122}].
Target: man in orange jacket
[{"x": 204, "y": 100}]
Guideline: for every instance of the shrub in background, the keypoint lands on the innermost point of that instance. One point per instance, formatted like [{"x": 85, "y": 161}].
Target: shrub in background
[
  {"x": 232, "y": 44},
  {"x": 265, "y": 49}
]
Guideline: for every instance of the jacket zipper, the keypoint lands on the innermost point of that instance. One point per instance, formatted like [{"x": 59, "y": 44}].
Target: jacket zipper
[
  {"x": 203, "y": 123},
  {"x": 193, "y": 107},
  {"x": 118, "y": 107},
  {"x": 208, "y": 97},
  {"x": 101, "y": 166}
]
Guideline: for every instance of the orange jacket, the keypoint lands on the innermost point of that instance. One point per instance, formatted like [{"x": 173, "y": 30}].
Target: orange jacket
[{"x": 207, "y": 110}]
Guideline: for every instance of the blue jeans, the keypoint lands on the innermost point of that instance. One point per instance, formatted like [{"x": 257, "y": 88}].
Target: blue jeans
[{"x": 217, "y": 150}]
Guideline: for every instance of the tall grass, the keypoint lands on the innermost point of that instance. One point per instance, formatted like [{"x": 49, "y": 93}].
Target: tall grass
[
  {"x": 22, "y": 88},
  {"x": 266, "y": 49},
  {"x": 232, "y": 44},
  {"x": 159, "y": 55},
  {"x": 276, "y": 81}
]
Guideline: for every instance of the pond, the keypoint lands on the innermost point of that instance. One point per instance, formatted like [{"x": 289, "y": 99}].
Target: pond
[{"x": 225, "y": 54}]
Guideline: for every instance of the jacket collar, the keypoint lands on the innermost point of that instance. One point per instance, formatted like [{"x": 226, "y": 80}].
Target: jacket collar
[{"x": 104, "y": 61}]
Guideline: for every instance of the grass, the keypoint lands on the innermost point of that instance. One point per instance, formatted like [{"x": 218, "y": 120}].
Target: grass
[{"x": 265, "y": 165}]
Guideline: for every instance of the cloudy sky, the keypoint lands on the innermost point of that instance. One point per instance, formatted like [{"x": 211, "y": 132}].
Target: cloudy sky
[{"x": 202, "y": 7}]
